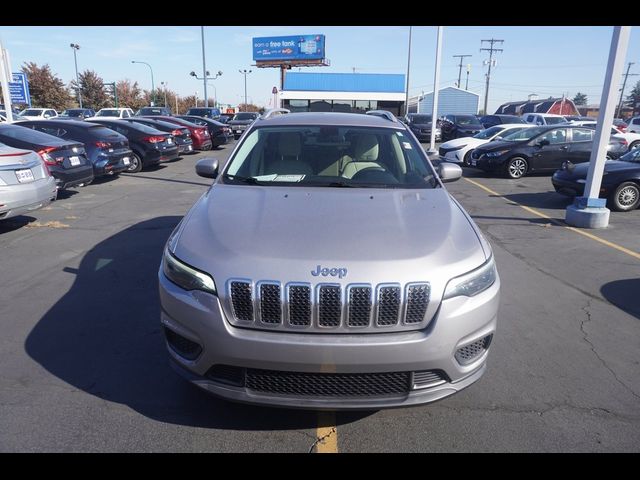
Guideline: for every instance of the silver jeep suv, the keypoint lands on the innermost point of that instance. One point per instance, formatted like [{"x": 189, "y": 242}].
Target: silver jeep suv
[{"x": 327, "y": 267}]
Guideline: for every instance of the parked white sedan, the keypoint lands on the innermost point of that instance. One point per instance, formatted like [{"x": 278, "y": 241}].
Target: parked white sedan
[
  {"x": 631, "y": 138},
  {"x": 459, "y": 150}
]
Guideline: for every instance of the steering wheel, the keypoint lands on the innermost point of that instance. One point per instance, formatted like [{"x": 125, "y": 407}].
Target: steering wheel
[{"x": 375, "y": 175}]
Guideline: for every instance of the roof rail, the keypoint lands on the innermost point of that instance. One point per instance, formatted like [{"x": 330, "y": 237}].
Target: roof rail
[
  {"x": 384, "y": 114},
  {"x": 274, "y": 112}
]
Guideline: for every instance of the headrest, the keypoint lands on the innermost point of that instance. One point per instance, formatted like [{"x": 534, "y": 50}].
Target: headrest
[
  {"x": 289, "y": 144},
  {"x": 366, "y": 148}
]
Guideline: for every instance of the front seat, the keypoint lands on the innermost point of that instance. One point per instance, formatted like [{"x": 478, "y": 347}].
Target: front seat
[
  {"x": 287, "y": 160},
  {"x": 365, "y": 155}
]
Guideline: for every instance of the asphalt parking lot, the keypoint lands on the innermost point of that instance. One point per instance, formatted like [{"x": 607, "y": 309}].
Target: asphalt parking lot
[{"x": 83, "y": 366}]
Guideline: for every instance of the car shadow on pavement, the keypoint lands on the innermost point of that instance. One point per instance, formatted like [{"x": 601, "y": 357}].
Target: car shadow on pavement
[
  {"x": 15, "y": 223},
  {"x": 550, "y": 200},
  {"x": 104, "y": 337},
  {"x": 624, "y": 295}
]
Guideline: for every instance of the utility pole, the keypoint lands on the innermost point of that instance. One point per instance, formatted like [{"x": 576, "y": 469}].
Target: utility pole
[
  {"x": 406, "y": 97},
  {"x": 624, "y": 84},
  {"x": 491, "y": 41},
  {"x": 204, "y": 70},
  {"x": 460, "y": 69},
  {"x": 466, "y": 87}
]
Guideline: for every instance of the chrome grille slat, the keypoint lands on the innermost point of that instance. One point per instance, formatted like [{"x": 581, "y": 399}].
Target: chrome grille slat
[
  {"x": 270, "y": 303},
  {"x": 359, "y": 306},
  {"x": 417, "y": 301},
  {"x": 388, "y": 305},
  {"x": 242, "y": 300},
  {"x": 299, "y": 302}
]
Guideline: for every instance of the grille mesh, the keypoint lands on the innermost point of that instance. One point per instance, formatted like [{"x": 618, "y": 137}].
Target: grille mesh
[
  {"x": 270, "y": 303},
  {"x": 417, "y": 302},
  {"x": 427, "y": 377},
  {"x": 388, "y": 305},
  {"x": 468, "y": 353},
  {"x": 330, "y": 306},
  {"x": 183, "y": 346},
  {"x": 242, "y": 301},
  {"x": 299, "y": 305},
  {"x": 328, "y": 384},
  {"x": 359, "y": 306}
]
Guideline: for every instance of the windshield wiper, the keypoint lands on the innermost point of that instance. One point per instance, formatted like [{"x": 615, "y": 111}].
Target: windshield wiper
[{"x": 247, "y": 180}]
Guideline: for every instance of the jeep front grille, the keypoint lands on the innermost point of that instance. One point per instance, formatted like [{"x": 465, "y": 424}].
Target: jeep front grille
[{"x": 327, "y": 308}]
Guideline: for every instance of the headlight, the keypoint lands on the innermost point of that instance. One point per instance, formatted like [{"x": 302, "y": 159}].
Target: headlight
[
  {"x": 496, "y": 154},
  {"x": 185, "y": 276},
  {"x": 474, "y": 282}
]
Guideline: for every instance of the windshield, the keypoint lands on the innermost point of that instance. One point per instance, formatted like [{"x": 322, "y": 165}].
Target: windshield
[
  {"x": 421, "y": 118},
  {"x": 467, "y": 120},
  {"x": 331, "y": 156},
  {"x": 511, "y": 119},
  {"x": 108, "y": 113},
  {"x": 525, "y": 134},
  {"x": 72, "y": 113},
  {"x": 488, "y": 133},
  {"x": 245, "y": 116},
  {"x": 35, "y": 112},
  {"x": 631, "y": 156},
  {"x": 555, "y": 120}
]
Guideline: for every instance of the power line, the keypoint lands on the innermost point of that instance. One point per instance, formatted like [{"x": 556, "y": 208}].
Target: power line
[{"x": 491, "y": 42}]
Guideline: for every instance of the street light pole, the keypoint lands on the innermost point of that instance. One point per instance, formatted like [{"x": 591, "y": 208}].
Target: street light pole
[
  {"x": 207, "y": 76},
  {"x": 245, "y": 73},
  {"x": 153, "y": 88},
  {"x": 164, "y": 84},
  {"x": 204, "y": 70},
  {"x": 76, "y": 47}
]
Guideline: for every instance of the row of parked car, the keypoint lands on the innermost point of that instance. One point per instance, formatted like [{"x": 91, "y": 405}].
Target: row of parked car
[
  {"x": 40, "y": 157},
  {"x": 517, "y": 149}
]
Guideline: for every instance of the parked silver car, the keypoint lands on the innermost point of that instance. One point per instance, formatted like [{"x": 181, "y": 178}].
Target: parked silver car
[
  {"x": 329, "y": 268},
  {"x": 25, "y": 183}
]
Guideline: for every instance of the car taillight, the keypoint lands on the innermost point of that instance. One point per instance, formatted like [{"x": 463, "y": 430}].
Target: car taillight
[
  {"x": 176, "y": 133},
  {"x": 47, "y": 158},
  {"x": 154, "y": 139},
  {"x": 623, "y": 129},
  {"x": 103, "y": 144}
]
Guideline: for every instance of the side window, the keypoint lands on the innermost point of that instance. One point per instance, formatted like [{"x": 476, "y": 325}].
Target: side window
[
  {"x": 582, "y": 135},
  {"x": 529, "y": 118},
  {"x": 125, "y": 114},
  {"x": 558, "y": 135},
  {"x": 636, "y": 121}
]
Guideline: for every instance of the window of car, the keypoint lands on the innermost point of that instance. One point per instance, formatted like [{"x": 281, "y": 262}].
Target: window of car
[
  {"x": 631, "y": 156},
  {"x": 488, "y": 133},
  {"x": 55, "y": 131},
  {"x": 530, "y": 118},
  {"x": 336, "y": 156},
  {"x": 555, "y": 136},
  {"x": 467, "y": 120},
  {"x": 636, "y": 121},
  {"x": 245, "y": 116},
  {"x": 108, "y": 112},
  {"x": 125, "y": 114},
  {"x": 554, "y": 120},
  {"x": 525, "y": 134},
  {"x": 420, "y": 118},
  {"x": 582, "y": 135},
  {"x": 32, "y": 112}
]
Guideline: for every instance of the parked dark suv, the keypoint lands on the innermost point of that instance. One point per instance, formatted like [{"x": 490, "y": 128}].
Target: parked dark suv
[
  {"x": 420, "y": 124},
  {"x": 542, "y": 148},
  {"x": 457, "y": 126},
  {"x": 148, "y": 111},
  {"x": 240, "y": 122},
  {"x": 489, "y": 121},
  {"x": 207, "y": 112}
]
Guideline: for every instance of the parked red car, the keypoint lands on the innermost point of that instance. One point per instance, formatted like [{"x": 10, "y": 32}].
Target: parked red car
[{"x": 200, "y": 135}]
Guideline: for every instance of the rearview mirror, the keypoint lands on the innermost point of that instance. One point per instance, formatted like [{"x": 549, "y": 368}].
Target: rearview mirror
[
  {"x": 449, "y": 172},
  {"x": 207, "y": 167}
]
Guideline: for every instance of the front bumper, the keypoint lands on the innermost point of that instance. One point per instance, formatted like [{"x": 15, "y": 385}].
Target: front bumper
[
  {"x": 27, "y": 197},
  {"x": 198, "y": 317}
]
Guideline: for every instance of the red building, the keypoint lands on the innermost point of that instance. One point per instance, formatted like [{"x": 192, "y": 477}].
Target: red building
[{"x": 558, "y": 106}]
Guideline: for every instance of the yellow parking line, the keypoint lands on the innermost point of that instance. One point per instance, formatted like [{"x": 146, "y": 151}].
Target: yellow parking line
[
  {"x": 326, "y": 433},
  {"x": 609, "y": 244}
]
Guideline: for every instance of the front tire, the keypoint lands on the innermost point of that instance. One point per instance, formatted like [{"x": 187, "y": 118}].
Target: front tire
[
  {"x": 625, "y": 198},
  {"x": 136, "y": 164},
  {"x": 634, "y": 145},
  {"x": 466, "y": 161},
  {"x": 516, "y": 168}
]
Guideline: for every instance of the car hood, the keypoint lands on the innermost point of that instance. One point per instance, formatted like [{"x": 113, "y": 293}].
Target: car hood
[
  {"x": 610, "y": 166},
  {"x": 461, "y": 142},
  {"x": 239, "y": 122},
  {"x": 283, "y": 234}
]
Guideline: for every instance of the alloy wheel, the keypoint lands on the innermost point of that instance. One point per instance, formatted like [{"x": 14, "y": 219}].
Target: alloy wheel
[
  {"x": 517, "y": 168},
  {"x": 628, "y": 196}
]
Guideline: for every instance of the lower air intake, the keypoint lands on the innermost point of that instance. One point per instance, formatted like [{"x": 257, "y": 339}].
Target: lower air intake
[{"x": 470, "y": 352}]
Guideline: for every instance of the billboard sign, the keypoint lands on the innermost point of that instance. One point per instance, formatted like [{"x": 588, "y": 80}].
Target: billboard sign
[
  {"x": 295, "y": 47},
  {"x": 19, "y": 89}
]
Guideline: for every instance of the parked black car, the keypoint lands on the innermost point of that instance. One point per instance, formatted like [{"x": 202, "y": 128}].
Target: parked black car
[
  {"x": 488, "y": 121},
  {"x": 107, "y": 150},
  {"x": 66, "y": 160},
  {"x": 225, "y": 117},
  {"x": 542, "y": 148},
  {"x": 149, "y": 145},
  {"x": 620, "y": 182},
  {"x": 207, "y": 112},
  {"x": 219, "y": 132},
  {"x": 457, "y": 126},
  {"x": 77, "y": 113},
  {"x": 148, "y": 111},
  {"x": 181, "y": 135},
  {"x": 420, "y": 124},
  {"x": 240, "y": 122}
]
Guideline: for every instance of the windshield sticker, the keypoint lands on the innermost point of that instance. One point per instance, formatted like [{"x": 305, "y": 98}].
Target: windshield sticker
[
  {"x": 406, "y": 145},
  {"x": 274, "y": 177}
]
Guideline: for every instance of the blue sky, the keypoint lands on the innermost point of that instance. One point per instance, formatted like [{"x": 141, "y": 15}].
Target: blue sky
[{"x": 548, "y": 60}]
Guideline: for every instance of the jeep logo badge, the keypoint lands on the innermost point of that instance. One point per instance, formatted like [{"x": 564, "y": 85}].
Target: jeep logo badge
[{"x": 334, "y": 272}]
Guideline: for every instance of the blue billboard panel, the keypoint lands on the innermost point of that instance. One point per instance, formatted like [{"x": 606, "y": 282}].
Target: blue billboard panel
[
  {"x": 297, "y": 47},
  {"x": 19, "y": 89}
]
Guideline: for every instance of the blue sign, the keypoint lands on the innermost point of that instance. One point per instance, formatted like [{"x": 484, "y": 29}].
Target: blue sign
[
  {"x": 19, "y": 89},
  {"x": 298, "y": 47}
]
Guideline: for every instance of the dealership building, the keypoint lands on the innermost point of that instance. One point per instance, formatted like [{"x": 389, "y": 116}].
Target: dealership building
[{"x": 343, "y": 92}]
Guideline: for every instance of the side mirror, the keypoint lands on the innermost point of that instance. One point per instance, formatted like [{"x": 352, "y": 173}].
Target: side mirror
[
  {"x": 207, "y": 167},
  {"x": 449, "y": 172},
  {"x": 496, "y": 139},
  {"x": 543, "y": 142}
]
